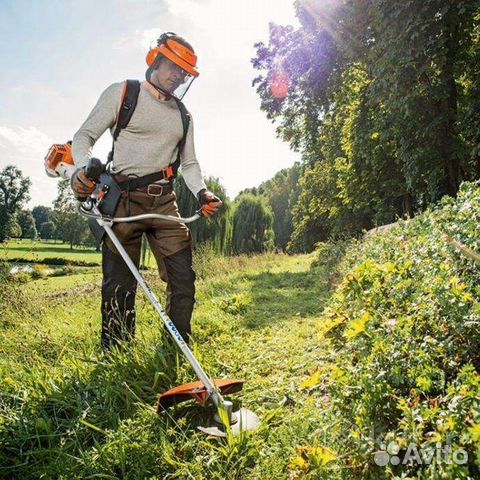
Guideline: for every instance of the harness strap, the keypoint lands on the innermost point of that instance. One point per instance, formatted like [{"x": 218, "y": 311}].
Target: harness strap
[
  {"x": 131, "y": 90},
  {"x": 130, "y": 93},
  {"x": 185, "y": 123}
]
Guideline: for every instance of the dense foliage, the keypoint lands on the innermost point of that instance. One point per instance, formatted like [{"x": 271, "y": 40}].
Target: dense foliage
[
  {"x": 403, "y": 333},
  {"x": 381, "y": 99},
  {"x": 44, "y": 221},
  {"x": 251, "y": 225},
  {"x": 70, "y": 226},
  {"x": 213, "y": 230},
  {"x": 26, "y": 221},
  {"x": 242, "y": 226}
]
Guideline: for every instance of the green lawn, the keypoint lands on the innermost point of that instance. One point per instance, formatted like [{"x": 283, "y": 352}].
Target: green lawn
[{"x": 38, "y": 250}]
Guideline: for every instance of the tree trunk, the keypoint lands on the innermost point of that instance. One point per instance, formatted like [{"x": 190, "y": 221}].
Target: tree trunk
[
  {"x": 407, "y": 206},
  {"x": 449, "y": 137}
]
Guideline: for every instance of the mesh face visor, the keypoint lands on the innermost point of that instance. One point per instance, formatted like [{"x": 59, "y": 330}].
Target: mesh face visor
[
  {"x": 175, "y": 65},
  {"x": 178, "y": 80},
  {"x": 174, "y": 79}
]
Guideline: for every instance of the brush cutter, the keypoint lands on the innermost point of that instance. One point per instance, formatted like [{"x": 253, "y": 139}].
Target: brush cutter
[{"x": 205, "y": 390}]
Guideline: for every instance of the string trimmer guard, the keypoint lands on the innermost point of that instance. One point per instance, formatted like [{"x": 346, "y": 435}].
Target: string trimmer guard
[{"x": 196, "y": 391}]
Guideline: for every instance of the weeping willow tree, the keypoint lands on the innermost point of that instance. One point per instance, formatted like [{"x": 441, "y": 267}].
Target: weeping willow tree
[
  {"x": 281, "y": 193},
  {"x": 252, "y": 222},
  {"x": 213, "y": 230}
]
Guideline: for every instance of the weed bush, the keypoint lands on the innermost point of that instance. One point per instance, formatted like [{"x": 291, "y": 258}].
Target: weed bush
[
  {"x": 403, "y": 328},
  {"x": 40, "y": 271}
]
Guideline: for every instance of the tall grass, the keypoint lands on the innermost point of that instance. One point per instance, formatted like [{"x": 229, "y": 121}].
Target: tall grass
[{"x": 67, "y": 411}]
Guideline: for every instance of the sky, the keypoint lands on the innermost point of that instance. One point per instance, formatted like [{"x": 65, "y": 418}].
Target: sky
[{"x": 58, "y": 56}]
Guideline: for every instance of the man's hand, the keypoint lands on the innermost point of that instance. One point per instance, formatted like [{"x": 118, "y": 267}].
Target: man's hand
[
  {"x": 210, "y": 203},
  {"x": 81, "y": 185}
]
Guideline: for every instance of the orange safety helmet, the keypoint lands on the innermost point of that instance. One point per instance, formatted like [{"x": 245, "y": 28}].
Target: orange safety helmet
[{"x": 177, "y": 53}]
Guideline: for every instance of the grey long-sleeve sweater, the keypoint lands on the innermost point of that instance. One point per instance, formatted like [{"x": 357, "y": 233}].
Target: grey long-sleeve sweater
[{"x": 148, "y": 144}]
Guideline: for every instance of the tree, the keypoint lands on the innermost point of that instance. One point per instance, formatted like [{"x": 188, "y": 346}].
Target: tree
[
  {"x": 281, "y": 192},
  {"x": 42, "y": 214},
  {"x": 381, "y": 99},
  {"x": 251, "y": 226},
  {"x": 47, "y": 230},
  {"x": 27, "y": 224},
  {"x": 417, "y": 54},
  {"x": 214, "y": 229},
  {"x": 13, "y": 194},
  {"x": 12, "y": 228},
  {"x": 71, "y": 226}
]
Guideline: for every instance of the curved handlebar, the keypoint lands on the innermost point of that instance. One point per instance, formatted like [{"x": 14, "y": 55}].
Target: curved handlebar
[
  {"x": 87, "y": 212},
  {"x": 158, "y": 216}
]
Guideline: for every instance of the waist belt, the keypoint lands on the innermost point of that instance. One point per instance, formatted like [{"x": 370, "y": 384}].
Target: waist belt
[
  {"x": 145, "y": 184},
  {"x": 153, "y": 189},
  {"x": 136, "y": 183}
]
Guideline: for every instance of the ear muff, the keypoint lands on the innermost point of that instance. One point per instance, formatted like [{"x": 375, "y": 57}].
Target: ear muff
[
  {"x": 153, "y": 53},
  {"x": 152, "y": 56}
]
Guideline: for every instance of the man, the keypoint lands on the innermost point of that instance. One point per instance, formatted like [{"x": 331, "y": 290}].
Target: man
[{"x": 145, "y": 154}]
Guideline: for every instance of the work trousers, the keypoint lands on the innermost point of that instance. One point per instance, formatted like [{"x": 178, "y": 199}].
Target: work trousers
[{"x": 170, "y": 243}]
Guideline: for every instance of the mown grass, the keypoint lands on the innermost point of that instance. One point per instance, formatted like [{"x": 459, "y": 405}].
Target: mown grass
[
  {"x": 65, "y": 283},
  {"x": 41, "y": 253},
  {"x": 39, "y": 250},
  {"x": 68, "y": 412}
]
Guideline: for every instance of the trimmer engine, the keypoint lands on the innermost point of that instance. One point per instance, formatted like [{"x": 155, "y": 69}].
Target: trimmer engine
[{"x": 59, "y": 161}]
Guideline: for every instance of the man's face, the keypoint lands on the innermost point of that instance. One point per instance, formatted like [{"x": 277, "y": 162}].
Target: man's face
[{"x": 169, "y": 76}]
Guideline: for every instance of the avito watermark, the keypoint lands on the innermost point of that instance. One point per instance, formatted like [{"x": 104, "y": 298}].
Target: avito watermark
[{"x": 413, "y": 454}]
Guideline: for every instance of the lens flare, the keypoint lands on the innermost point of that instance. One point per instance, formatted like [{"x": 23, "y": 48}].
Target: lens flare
[{"x": 279, "y": 83}]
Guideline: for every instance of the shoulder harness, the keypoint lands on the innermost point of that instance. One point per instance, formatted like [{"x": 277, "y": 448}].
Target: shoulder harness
[{"x": 131, "y": 90}]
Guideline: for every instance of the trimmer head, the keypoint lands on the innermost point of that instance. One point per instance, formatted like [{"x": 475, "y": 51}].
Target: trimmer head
[
  {"x": 242, "y": 420},
  {"x": 196, "y": 391}
]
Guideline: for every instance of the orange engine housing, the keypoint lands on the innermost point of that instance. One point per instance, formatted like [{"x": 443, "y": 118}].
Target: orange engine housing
[
  {"x": 59, "y": 159},
  {"x": 59, "y": 153}
]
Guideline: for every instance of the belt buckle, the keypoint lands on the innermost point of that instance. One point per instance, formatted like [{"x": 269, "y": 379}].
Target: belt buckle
[{"x": 155, "y": 185}]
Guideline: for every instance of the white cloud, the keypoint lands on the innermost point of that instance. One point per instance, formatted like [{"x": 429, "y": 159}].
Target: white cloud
[
  {"x": 29, "y": 141},
  {"x": 188, "y": 8},
  {"x": 147, "y": 37},
  {"x": 26, "y": 147},
  {"x": 140, "y": 39}
]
